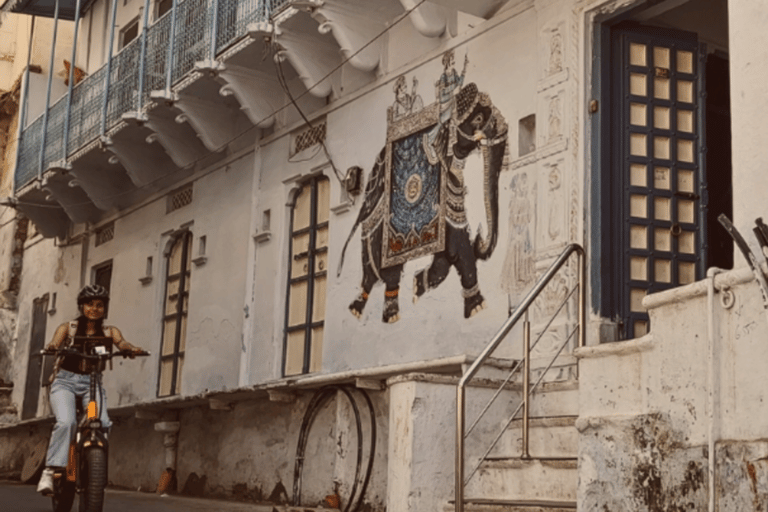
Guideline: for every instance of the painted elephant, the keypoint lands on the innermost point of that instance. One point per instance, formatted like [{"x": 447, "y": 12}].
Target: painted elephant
[{"x": 476, "y": 124}]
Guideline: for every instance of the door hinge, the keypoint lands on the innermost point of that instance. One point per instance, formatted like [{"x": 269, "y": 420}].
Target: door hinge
[{"x": 594, "y": 106}]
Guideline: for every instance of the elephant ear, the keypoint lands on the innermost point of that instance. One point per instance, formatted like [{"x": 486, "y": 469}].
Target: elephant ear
[{"x": 466, "y": 101}]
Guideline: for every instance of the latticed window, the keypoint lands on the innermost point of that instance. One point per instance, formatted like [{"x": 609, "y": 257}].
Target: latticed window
[
  {"x": 308, "y": 138},
  {"x": 179, "y": 198},
  {"x": 105, "y": 234},
  {"x": 307, "y": 278},
  {"x": 175, "y": 310}
]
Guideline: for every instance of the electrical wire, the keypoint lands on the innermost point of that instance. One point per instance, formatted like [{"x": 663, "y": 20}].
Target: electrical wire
[{"x": 275, "y": 112}]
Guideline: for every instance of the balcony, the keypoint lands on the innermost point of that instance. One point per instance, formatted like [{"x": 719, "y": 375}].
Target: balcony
[{"x": 197, "y": 79}]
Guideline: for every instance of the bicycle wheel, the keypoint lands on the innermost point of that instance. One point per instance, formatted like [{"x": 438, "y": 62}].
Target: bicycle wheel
[
  {"x": 63, "y": 494},
  {"x": 95, "y": 480}
]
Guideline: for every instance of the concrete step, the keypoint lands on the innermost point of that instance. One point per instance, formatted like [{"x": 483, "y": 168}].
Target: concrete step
[
  {"x": 488, "y": 505},
  {"x": 551, "y": 436},
  {"x": 543, "y": 478}
]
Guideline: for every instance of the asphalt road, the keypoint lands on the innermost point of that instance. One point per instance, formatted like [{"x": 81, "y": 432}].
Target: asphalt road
[{"x": 17, "y": 497}]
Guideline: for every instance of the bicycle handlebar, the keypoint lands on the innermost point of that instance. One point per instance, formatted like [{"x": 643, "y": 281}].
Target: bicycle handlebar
[{"x": 105, "y": 356}]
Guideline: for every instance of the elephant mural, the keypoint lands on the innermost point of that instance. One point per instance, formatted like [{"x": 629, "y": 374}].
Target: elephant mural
[{"x": 425, "y": 159}]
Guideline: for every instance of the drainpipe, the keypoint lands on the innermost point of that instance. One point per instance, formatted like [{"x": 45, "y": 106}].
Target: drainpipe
[
  {"x": 24, "y": 95},
  {"x": 48, "y": 91},
  {"x": 64, "y": 144},
  {"x": 712, "y": 385}
]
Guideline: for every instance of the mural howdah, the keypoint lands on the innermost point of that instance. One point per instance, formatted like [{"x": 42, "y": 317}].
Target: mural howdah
[{"x": 415, "y": 195}]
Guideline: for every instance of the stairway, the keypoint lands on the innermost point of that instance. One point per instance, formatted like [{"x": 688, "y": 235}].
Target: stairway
[{"x": 545, "y": 482}]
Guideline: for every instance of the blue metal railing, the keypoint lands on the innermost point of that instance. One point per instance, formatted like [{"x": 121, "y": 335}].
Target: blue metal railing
[{"x": 194, "y": 31}]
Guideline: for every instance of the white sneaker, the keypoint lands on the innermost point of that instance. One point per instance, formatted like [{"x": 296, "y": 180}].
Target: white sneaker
[{"x": 45, "y": 486}]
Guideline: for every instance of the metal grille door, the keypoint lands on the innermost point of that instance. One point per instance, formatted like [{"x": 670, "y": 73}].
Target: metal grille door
[{"x": 657, "y": 165}]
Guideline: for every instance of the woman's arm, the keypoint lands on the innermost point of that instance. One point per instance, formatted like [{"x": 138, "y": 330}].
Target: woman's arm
[
  {"x": 121, "y": 342},
  {"x": 58, "y": 337}
]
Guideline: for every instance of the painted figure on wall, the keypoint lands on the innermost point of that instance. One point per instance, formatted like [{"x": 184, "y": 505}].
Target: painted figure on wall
[
  {"x": 415, "y": 196},
  {"x": 405, "y": 104},
  {"x": 518, "y": 273},
  {"x": 446, "y": 88}
]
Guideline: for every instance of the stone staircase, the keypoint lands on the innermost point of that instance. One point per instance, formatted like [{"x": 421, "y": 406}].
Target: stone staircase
[
  {"x": 545, "y": 482},
  {"x": 8, "y": 413}
]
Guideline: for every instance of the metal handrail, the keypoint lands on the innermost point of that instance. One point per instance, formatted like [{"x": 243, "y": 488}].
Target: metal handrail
[{"x": 508, "y": 325}]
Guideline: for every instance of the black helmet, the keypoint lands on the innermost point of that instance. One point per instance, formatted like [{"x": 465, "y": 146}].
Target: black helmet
[{"x": 92, "y": 292}]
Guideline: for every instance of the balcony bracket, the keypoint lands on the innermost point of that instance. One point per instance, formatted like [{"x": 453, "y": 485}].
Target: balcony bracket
[
  {"x": 62, "y": 188},
  {"x": 213, "y": 121},
  {"x": 429, "y": 19},
  {"x": 313, "y": 56},
  {"x": 355, "y": 24},
  {"x": 258, "y": 93},
  {"x": 106, "y": 183},
  {"x": 145, "y": 164},
  {"x": 48, "y": 216},
  {"x": 178, "y": 140}
]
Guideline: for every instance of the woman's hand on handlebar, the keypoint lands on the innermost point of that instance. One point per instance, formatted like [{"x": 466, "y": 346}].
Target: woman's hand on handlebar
[{"x": 133, "y": 352}]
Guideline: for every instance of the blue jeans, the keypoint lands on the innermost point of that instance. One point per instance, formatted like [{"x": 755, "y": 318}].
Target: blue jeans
[{"x": 66, "y": 388}]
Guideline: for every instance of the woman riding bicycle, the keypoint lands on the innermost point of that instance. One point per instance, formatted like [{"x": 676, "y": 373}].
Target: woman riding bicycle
[{"x": 71, "y": 380}]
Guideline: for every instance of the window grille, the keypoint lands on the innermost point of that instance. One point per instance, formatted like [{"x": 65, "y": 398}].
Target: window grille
[
  {"x": 308, "y": 138},
  {"x": 179, "y": 198},
  {"x": 105, "y": 234}
]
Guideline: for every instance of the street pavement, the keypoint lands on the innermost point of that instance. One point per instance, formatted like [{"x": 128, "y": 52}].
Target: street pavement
[{"x": 17, "y": 497}]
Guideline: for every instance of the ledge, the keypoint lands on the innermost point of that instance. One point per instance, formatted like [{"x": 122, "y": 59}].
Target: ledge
[
  {"x": 616, "y": 348},
  {"x": 723, "y": 281}
]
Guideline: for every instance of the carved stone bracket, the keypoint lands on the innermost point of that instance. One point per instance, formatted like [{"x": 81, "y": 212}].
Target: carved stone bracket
[
  {"x": 355, "y": 24},
  {"x": 312, "y": 55},
  {"x": 258, "y": 93},
  {"x": 104, "y": 180},
  {"x": 144, "y": 163},
  {"x": 211, "y": 120},
  {"x": 429, "y": 19},
  {"x": 48, "y": 216},
  {"x": 178, "y": 140},
  {"x": 73, "y": 199}
]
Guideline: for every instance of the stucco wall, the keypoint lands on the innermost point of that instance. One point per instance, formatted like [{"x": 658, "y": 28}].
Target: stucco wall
[{"x": 749, "y": 67}]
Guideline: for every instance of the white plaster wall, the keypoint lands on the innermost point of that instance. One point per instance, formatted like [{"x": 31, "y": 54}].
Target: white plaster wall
[
  {"x": 50, "y": 270},
  {"x": 214, "y": 324},
  {"x": 749, "y": 107}
]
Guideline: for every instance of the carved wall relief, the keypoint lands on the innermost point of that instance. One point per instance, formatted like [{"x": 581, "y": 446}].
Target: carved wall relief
[{"x": 518, "y": 271}]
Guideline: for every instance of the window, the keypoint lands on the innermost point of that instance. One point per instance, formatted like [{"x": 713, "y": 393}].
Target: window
[
  {"x": 129, "y": 33},
  {"x": 175, "y": 309},
  {"x": 102, "y": 274},
  {"x": 163, "y": 6},
  {"x": 307, "y": 278}
]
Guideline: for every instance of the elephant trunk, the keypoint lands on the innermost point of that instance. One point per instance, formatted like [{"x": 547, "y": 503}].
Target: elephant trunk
[{"x": 494, "y": 161}]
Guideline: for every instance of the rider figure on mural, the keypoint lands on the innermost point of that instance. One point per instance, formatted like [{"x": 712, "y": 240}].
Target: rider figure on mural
[{"x": 71, "y": 374}]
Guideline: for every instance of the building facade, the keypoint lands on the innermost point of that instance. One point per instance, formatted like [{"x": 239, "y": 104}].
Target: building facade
[{"x": 317, "y": 215}]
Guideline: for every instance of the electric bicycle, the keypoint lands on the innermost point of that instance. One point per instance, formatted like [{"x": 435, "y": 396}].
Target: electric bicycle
[{"x": 86, "y": 471}]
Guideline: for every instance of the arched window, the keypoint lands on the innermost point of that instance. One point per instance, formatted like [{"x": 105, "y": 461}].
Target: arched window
[
  {"x": 177, "y": 281},
  {"x": 307, "y": 278}
]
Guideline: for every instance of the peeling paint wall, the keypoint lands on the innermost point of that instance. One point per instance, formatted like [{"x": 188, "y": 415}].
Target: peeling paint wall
[
  {"x": 646, "y": 412},
  {"x": 248, "y": 453}
]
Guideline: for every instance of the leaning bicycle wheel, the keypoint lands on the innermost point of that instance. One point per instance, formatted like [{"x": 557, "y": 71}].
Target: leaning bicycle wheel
[
  {"x": 63, "y": 494},
  {"x": 94, "y": 479}
]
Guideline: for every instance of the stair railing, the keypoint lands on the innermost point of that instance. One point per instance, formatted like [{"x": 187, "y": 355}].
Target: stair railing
[{"x": 520, "y": 312}]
